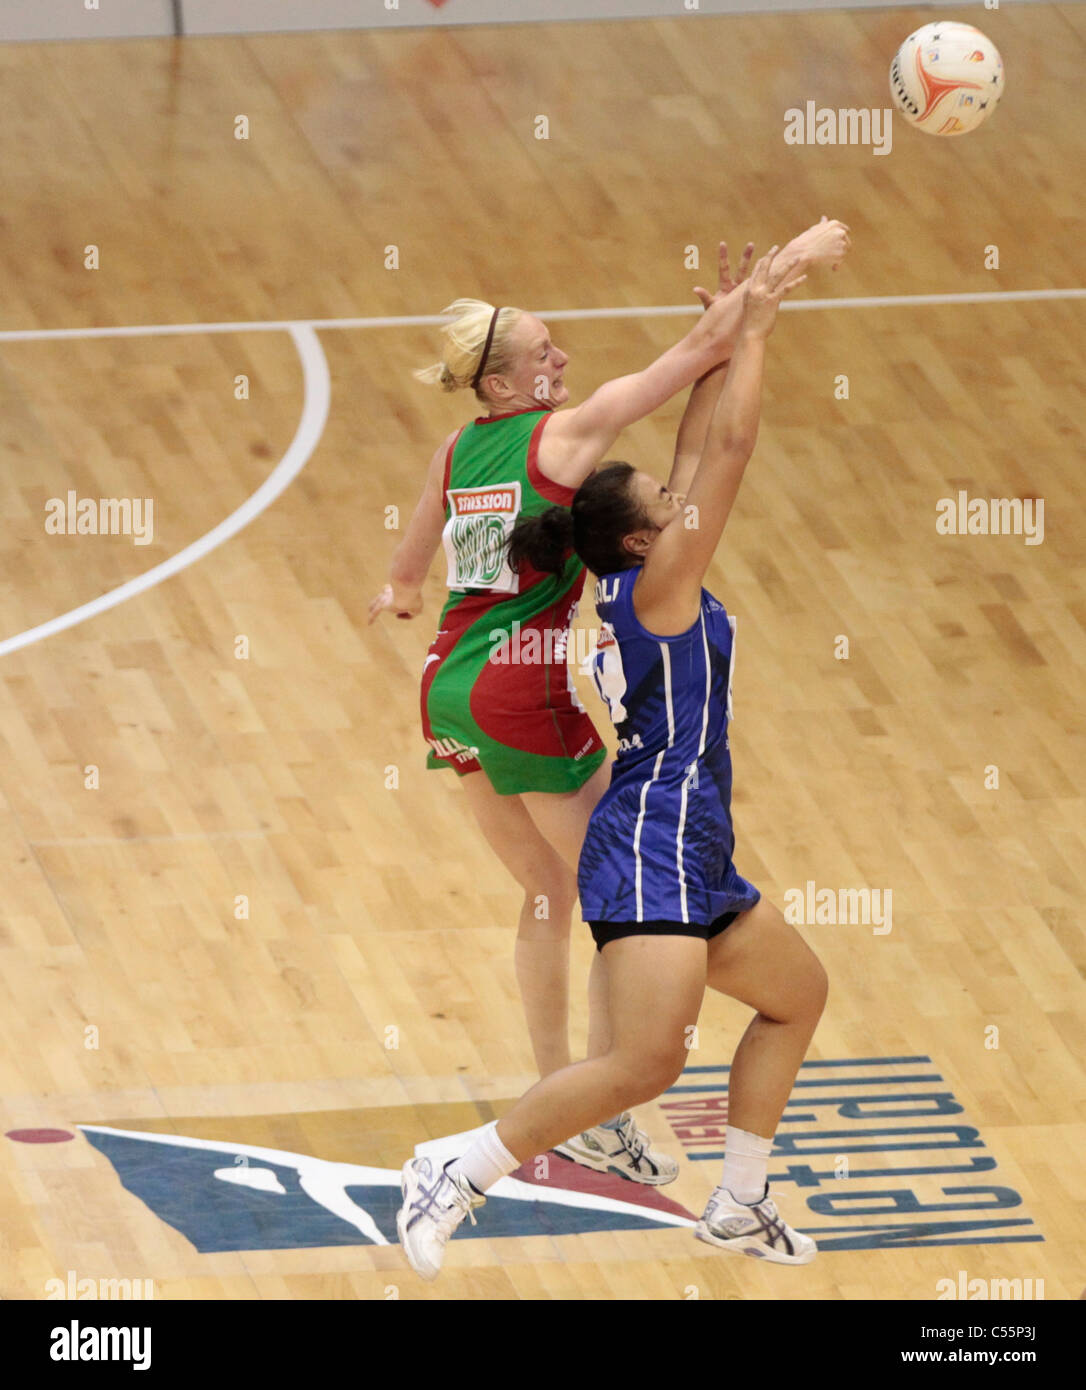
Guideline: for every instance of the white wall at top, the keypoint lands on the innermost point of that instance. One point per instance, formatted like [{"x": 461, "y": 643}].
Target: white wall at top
[
  {"x": 219, "y": 16},
  {"x": 69, "y": 19}
]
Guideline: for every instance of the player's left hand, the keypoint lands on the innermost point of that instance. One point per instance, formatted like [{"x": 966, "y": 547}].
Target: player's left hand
[{"x": 405, "y": 603}]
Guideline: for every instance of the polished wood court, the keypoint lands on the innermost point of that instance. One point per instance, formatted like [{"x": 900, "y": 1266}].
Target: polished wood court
[{"x": 373, "y": 908}]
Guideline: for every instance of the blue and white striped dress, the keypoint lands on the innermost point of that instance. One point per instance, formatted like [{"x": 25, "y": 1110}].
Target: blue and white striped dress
[{"x": 660, "y": 842}]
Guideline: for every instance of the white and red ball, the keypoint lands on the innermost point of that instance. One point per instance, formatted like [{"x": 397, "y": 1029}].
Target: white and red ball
[{"x": 947, "y": 78}]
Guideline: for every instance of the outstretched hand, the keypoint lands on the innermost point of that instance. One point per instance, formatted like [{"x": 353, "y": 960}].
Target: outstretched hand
[
  {"x": 724, "y": 276},
  {"x": 826, "y": 243},
  {"x": 771, "y": 281}
]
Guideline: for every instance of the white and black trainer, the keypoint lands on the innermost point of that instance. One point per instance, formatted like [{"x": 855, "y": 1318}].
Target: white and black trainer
[
  {"x": 624, "y": 1149},
  {"x": 434, "y": 1204},
  {"x": 756, "y": 1230}
]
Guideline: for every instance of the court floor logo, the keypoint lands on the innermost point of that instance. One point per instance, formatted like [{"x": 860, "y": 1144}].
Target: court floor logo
[
  {"x": 877, "y": 1147},
  {"x": 226, "y": 1196}
]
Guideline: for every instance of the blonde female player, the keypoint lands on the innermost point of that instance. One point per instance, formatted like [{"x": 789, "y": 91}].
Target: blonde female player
[
  {"x": 667, "y": 907},
  {"x": 518, "y": 724}
]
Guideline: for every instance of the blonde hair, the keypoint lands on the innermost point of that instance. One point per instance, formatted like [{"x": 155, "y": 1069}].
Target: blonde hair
[{"x": 463, "y": 341}]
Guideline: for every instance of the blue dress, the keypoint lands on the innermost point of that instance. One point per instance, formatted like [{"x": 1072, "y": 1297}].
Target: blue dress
[{"x": 659, "y": 844}]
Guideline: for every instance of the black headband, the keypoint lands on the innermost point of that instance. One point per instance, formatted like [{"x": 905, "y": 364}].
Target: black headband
[{"x": 486, "y": 351}]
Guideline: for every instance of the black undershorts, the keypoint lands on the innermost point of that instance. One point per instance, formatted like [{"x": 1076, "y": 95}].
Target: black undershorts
[{"x": 603, "y": 932}]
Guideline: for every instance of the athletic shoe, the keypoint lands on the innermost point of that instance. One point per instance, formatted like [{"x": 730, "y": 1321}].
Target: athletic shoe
[
  {"x": 755, "y": 1230},
  {"x": 625, "y": 1150},
  {"x": 434, "y": 1204}
]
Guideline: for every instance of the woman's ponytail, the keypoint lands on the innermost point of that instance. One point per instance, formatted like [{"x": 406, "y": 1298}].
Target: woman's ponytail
[
  {"x": 474, "y": 324},
  {"x": 544, "y": 541}
]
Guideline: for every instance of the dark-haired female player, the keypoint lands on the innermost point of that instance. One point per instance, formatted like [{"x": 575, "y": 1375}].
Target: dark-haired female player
[
  {"x": 529, "y": 759},
  {"x": 667, "y": 907}
]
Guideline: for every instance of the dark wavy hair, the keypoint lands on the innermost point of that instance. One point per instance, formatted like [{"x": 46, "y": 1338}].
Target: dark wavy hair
[{"x": 603, "y": 512}]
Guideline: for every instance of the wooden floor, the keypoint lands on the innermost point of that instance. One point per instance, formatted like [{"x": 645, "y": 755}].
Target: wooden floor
[{"x": 133, "y": 996}]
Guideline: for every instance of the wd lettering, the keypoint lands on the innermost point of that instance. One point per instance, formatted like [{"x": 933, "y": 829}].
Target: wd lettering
[{"x": 480, "y": 522}]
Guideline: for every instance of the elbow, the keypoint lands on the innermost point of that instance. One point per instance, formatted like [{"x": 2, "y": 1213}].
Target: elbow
[{"x": 737, "y": 448}]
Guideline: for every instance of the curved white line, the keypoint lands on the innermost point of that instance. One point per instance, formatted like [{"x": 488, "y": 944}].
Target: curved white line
[{"x": 317, "y": 384}]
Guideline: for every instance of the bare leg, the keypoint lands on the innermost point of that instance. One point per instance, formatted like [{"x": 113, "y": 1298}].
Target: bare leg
[
  {"x": 655, "y": 991},
  {"x": 562, "y": 817},
  {"x": 563, "y": 821},
  {"x": 550, "y": 890},
  {"x": 765, "y": 963},
  {"x": 599, "y": 1025}
]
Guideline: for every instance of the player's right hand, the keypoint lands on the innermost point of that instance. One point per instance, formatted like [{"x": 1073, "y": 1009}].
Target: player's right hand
[
  {"x": 826, "y": 243},
  {"x": 768, "y": 285}
]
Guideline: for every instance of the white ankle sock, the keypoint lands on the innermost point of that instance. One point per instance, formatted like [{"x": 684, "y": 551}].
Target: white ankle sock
[
  {"x": 486, "y": 1161},
  {"x": 746, "y": 1159}
]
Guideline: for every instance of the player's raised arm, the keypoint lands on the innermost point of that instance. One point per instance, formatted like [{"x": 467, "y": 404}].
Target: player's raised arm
[
  {"x": 667, "y": 597},
  {"x": 577, "y": 439},
  {"x": 705, "y": 392},
  {"x": 826, "y": 243}
]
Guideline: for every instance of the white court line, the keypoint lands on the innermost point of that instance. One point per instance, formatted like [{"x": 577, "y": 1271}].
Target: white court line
[
  {"x": 317, "y": 398},
  {"x": 644, "y": 311}
]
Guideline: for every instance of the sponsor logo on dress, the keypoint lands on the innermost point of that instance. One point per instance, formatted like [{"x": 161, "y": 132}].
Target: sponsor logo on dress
[
  {"x": 453, "y": 748},
  {"x": 468, "y": 501},
  {"x": 476, "y": 535}
]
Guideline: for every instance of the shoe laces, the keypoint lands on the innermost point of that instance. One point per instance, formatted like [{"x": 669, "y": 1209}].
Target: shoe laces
[
  {"x": 634, "y": 1140},
  {"x": 444, "y": 1207},
  {"x": 770, "y": 1226}
]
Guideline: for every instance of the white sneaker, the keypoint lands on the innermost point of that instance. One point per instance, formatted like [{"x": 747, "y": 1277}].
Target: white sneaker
[
  {"x": 755, "y": 1230},
  {"x": 434, "y": 1204},
  {"x": 625, "y": 1150}
]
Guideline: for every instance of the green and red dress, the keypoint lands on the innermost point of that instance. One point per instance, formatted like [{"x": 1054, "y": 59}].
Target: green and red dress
[{"x": 497, "y": 696}]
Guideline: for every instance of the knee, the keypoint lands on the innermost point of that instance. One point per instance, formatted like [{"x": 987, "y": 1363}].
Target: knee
[
  {"x": 649, "y": 1073},
  {"x": 549, "y": 895},
  {"x": 545, "y": 917},
  {"x": 812, "y": 990},
  {"x": 805, "y": 998}
]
